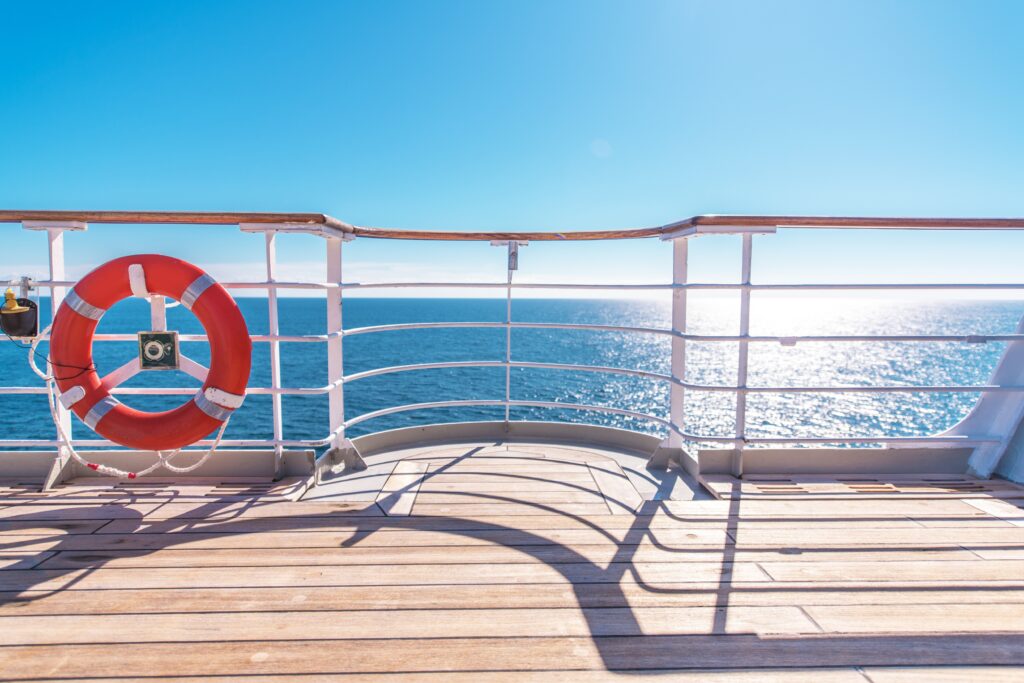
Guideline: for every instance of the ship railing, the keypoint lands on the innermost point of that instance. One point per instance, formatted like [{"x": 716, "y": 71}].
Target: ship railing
[{"x": 987, "y": 429}]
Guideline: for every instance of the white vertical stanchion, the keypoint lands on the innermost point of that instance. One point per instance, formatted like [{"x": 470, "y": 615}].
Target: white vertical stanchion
[
  {"x": 274, "y": 329},
  {"x": 742, "y": 357},
  {"x": 335, "y": 360},
  {"x": 55, "y": 248},
  {"x": 677, "y": 395},
  {"x": 513, "y": 264}
]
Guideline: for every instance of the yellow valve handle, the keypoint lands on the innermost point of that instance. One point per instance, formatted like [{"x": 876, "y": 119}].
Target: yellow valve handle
[{"x": 11, "y": 304}]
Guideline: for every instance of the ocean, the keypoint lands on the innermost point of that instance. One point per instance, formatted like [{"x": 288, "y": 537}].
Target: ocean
[{"x": 785, "y": 414}]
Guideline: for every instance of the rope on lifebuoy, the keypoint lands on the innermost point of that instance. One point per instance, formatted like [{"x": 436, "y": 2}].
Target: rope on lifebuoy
[{"x": 163, "y": 457}]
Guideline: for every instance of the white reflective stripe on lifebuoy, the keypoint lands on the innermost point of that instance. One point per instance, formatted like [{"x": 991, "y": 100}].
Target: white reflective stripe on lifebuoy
[
  {"x": 137, "y": 281},
  {"x": 223, "y": 398},
  {"x": 83, "y": 307},
  {"x": 72, "y": 396},
  {"x": 104, "y": 406},
  {"x": 212, "y": 409},
  {"x": 195, "y": 290}
]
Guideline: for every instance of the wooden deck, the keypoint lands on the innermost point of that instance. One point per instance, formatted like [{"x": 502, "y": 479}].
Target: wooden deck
[{"x": 510, "y": 565}]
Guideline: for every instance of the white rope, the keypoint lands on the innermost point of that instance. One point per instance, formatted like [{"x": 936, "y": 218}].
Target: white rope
[{"x": 163, "y": 457}]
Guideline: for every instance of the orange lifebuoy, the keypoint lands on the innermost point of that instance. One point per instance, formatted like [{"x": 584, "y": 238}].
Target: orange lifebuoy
[{"x": 230, "y": 353}]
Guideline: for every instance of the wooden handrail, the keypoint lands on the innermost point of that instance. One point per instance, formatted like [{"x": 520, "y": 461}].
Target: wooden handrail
[
  {"x": 821, "y": 222},
  {"x": 172, "y": 217}
]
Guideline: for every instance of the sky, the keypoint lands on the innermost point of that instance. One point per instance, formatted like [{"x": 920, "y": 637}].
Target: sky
[{"x": 523, "y": 115}]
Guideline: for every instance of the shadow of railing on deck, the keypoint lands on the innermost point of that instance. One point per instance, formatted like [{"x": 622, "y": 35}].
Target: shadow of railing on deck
[{"x": 598, "y": 586}]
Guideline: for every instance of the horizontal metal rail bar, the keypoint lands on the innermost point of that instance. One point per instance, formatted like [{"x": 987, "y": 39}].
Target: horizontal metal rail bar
[
  {"x": 504, "y": 285},
  {"x": 225, "y": 443},
  {"x": 880, "y": 389},
  {"x": 959, "y": 338},
  {"x": 501, "y": 364},
  {"x": 417, "y": 326},
  {"x": 727, "y": 286},
  {"x": 184, "y": 391},
  {"x": 905, "y": 440},
  {"x": 423, "y": 366},
  {"x": 301, "y": 338},
  {"x": 499, "y": 404}
]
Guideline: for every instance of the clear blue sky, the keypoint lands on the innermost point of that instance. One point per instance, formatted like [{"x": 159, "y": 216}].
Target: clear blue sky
[{"x": 511, "y": 115}]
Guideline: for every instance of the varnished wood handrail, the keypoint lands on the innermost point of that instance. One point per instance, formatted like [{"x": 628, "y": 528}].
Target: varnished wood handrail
[
  {"x": 172, "y": 217},
  {"x": 706, "y": 221}
]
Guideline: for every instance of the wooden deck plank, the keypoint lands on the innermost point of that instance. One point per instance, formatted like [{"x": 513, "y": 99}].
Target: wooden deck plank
[
  {"x": 534, "y": 466},
  {"x": 619, "y": 493},
  {"x": 22, "y": 559},
  {"x": 400, "y": 624},
  {"x": 501, "y": 476},
  {"x": 795, "y": 539},
  {"x": 981, "y": 540},
  {"x": 301, "y": 523},
  {"x": 75, "y": 600},
  {"x": 512, "y": 486},
  {"x": 21, "y": 529},
  {"x": 946, "y": 674},
  {"x": 810, "y": 675},
  {"x": 951, "y": 570},
  {"x": 946, "y": 618},
  {"x": 507, "y": 654},
  {"x": 655, "y": 574},
  {"x": 511, "y": 509},
  {"x": 471, "y": 495},
  {"x": 399, "y": 492},
  {"x": 494, "y": 554}
]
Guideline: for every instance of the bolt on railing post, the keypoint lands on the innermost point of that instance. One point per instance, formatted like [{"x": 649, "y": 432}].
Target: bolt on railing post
[
  {"x": 742, "y": 356},
  {"x": 273, "y": 330},
  {"x": 677, "y": 395}
]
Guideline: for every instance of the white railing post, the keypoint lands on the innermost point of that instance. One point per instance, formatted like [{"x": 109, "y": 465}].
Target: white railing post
[
  {"x": 677, "y": 394},
  {"x": 513, "y": 265},
  {"x": 671, "y": 448},
  {"x": 742, "y": 356},
  {"x": 341, "y": 448},
  {"x": 55, "y": 249},
  {"x": 335, "y": 360},
  {"x": 274, "y": 330}
]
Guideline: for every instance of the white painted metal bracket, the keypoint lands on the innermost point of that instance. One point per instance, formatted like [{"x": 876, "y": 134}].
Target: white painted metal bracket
[
  {"x": 672, "y": 232},
  {"x": 346, "y": 452},
  {"x": 318, "y": 229},
  {"x": 77, "y": 226}
]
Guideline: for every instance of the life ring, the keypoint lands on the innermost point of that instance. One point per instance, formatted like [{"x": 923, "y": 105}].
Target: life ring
[{"x": 84, "y": 392}]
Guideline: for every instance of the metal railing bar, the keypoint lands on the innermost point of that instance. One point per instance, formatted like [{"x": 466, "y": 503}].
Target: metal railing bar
[
  {"x": 880, "y": 389},
  {"x": 503, "y": 285},
  {"x": 959, "y": 338},
  {"x": 514, "y": 364},
  {"x": 598, "y": 328},
  {"x": 203, "y": 338},
  {"x": 424, "y": 366},
  {"x": 498, "y": 404},
  {"x": 786, "y": 340},
  {"x": 727, "y": 286},
  {"x": 418, "y": 326},
  {"x": 315, "y": 391},
  {"x": 954, "y": 439}
]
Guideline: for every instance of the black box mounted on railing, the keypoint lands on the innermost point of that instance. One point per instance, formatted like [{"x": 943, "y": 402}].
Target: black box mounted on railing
[{"x": 19, "y": 318}]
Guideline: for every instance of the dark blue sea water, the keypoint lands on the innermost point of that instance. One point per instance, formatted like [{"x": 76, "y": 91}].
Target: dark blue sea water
[{"x": 709, "y": 363}]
